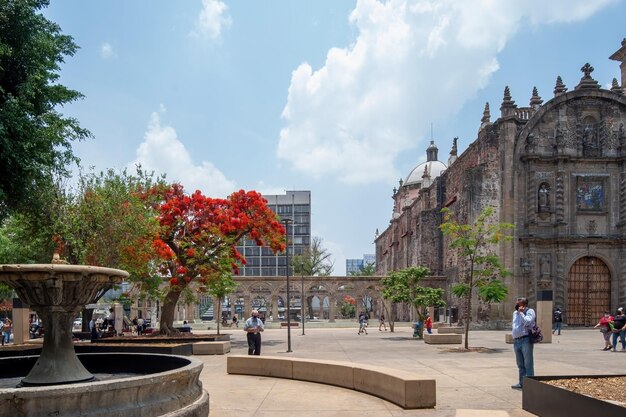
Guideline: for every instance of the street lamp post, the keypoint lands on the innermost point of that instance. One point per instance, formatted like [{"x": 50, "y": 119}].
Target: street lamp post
[
  {"x": 288, "y": 221},
  {"x": 302, "y": 304}
]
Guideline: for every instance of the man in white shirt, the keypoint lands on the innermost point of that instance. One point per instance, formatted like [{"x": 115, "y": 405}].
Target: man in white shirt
[
  {"x": 253, "y": 327},
  {"x": 524, "y": 320}
]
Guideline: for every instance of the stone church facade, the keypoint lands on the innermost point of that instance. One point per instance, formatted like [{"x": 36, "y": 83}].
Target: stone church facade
[{"x": 557, "y": 171}]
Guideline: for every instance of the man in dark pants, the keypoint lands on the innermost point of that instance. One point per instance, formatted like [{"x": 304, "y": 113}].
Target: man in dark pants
[
  {"x": 524, "y": 318},
  {"x": 254, "y": 326}
]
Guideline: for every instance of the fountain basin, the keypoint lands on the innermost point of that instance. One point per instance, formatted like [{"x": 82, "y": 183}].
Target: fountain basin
[
  {"x": 57, "y": 292},
  {"x": 158, "y": 385}
]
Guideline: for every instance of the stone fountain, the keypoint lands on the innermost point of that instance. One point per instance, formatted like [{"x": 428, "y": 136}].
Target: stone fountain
[{"x": 62, "y": 382}]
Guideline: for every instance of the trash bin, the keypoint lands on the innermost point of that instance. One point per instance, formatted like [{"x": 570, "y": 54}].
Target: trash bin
[{"x": 418, "y": 328}]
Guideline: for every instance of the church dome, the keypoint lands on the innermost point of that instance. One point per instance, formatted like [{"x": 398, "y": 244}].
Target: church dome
[{"x": 430, "y": 169}]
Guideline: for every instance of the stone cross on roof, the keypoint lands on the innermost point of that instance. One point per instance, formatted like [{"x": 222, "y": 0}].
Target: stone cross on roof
[
  {"x": 587, "y": 70},
  {"x": 587, "y": 81}
]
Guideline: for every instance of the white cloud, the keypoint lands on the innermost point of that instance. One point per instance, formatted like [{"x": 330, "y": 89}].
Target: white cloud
[
  {"x": 267, "y": 189},
  {"x": 162, "y": 152},
  {"x": 106, "y": 50},
  {"x": 212, "y": 20},
  {"x": 412, "y": 63}
]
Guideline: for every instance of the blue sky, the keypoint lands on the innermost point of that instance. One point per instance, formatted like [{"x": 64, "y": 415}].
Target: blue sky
[{"x": 332, "y": 96}]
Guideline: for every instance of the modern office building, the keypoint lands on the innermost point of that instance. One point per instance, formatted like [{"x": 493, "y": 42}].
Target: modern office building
[
  {"x": 260, "y": 260},
  {"x": 356, "y": 265},
  {"x": 353, "y": 266}
]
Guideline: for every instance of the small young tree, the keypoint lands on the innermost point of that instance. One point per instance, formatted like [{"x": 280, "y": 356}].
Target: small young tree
[
  {"x": 480, "y": 265},
  {"x": 404, "y": 287},
  {"x": 314, "y": 261},
  {"x": 220, "y": 287}
]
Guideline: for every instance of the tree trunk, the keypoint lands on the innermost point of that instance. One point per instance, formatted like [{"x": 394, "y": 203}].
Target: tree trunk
[
  {"x": 468, "y": 314},
  {"x": 167, "y": 312},
  {"x": 218, "y": 314},
  {"x": 389, "y": 317}
]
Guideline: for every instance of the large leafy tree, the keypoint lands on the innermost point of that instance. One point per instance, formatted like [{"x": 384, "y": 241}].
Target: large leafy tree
[
  {"x": 404, "y": 287},
  {"x": 480, "y": 265},
  {"x": 35, "y": 138},
  {"x": 102, "y": 221},
  {"x": 199, "y": 233}
]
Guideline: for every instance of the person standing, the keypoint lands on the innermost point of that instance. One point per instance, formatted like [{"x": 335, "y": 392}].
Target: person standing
[
  {"x": 253, "y": 327},
  {"x": 7, "y": 327},
  {"x": 558, "y": 320},
  {"x": 619, "y": 328},
  {"x": 428, "y": 323},
  {"x": 382, "y": 322},
  {"x": 524, "y": 319},
  {"x": 605, "y": 328},
  {"x": 139, "y": 326}
]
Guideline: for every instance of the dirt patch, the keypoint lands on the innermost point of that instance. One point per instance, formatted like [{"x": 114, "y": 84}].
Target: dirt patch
[{"x": 605, "y": 388}]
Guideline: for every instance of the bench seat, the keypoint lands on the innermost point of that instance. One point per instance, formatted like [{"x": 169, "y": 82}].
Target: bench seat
[{"x": 399, "y": 387}]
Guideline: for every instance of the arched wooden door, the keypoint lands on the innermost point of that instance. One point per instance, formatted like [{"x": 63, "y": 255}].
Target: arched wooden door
[{"x": 588, "y": 291}]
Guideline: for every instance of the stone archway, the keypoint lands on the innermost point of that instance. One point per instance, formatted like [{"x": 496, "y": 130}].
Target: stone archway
[{"x": 588, "y": 291}]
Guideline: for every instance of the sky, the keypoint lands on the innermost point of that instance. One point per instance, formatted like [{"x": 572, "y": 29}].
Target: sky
[{"x": 337, "y": 97}]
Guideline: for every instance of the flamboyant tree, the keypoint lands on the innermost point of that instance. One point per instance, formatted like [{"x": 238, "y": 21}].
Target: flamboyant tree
[{"x": 199, "y": 233}]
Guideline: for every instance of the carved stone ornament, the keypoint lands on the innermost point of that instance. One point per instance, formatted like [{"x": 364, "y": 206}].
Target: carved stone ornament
[{"x": 592, "y": 227}]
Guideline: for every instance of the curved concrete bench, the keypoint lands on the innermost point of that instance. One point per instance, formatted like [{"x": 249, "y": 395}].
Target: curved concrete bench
[{"x": 398, "y": 387}]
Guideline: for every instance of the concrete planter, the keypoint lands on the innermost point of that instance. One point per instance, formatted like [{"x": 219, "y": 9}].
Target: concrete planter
[
  {"x": 546, "y": 400},
  {"x": 165, "y": 386}
]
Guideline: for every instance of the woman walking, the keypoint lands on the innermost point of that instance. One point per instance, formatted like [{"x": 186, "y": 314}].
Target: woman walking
[{"x": 604, "y": 324}]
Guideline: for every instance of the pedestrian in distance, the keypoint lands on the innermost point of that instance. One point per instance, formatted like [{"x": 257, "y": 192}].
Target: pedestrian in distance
[
  {"x": 524, "y": 319},
  {"x": 605, "y": 325},
  {"x": 428, "y": 323},
  {"x": 382, "y": 322},
  {"x": 619, "y": 328},
  {"x": 557, "y": 318},
  {"x": 362, "y": 323},
  {"x": 253, "y": 327},
  {"x": 7, "y": 327}
]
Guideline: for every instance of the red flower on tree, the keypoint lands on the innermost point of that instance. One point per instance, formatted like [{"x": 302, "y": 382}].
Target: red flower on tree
[{"x": 198, "y": 236}]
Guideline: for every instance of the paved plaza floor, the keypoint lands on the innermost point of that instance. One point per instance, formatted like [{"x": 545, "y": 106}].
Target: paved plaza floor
[{"x": 473, "y": 384}]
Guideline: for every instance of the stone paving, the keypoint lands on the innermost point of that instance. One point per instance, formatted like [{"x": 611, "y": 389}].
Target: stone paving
[{"x": 468, "y": 384}]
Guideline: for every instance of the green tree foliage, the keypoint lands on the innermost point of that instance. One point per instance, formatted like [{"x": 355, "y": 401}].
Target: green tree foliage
[
  {"x": 347, "y": 306},
  {"x": 102, "y": 221},
  {"x": 480, "y": 266},
  {"x": 35, "y": 138},
  {"x": 314, "y": 261},
  {"x": 404, "y": 287},
  {"x": 220, "y": 287}
]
